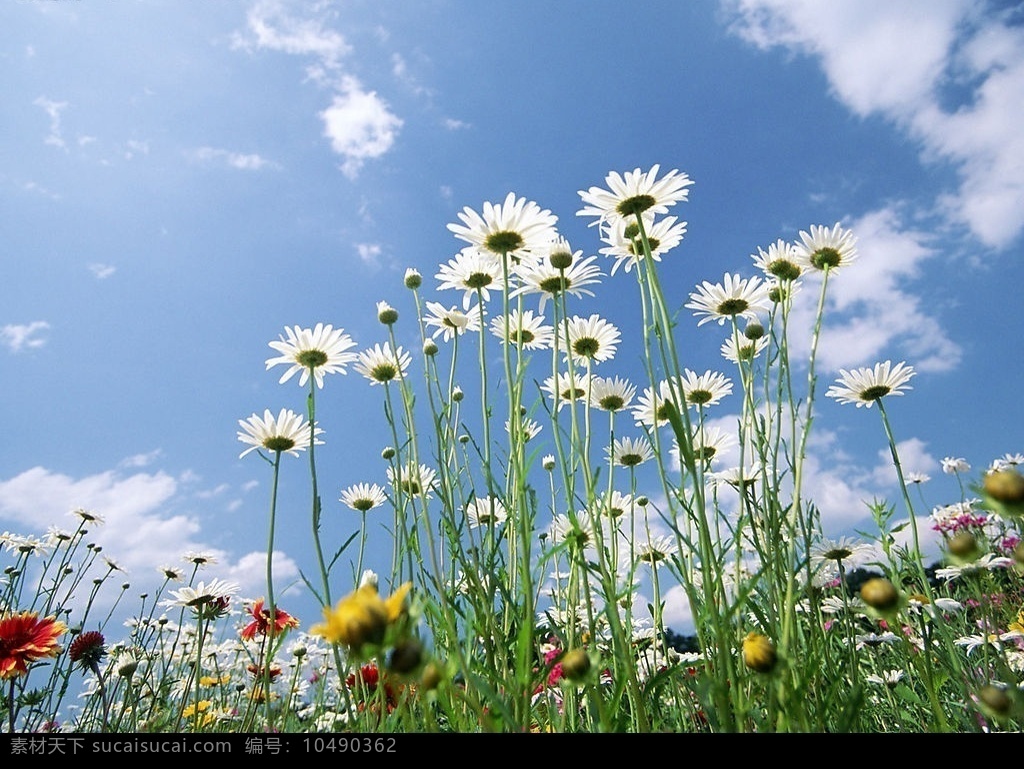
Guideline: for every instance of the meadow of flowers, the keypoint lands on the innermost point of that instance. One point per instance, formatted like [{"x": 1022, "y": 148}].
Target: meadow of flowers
[{"x": 529, "y": 553}]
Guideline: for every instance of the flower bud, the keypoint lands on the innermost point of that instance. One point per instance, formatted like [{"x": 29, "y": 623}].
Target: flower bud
[
  {"x": 430, "y": 347},
  {"x": 387, "y": 453},
  {"x": 759, "y": 653},
  {"x": 406, "y": 657},
  {"x": 575, "y": 664},
  {"x": 880, "y": 594},
  {"x": 560, "y": 260},
  {"x": 386, "y": 314},
  {"x": 753, "y": 331},
  {"x": 413, "y": 279},
  {"x": 1006, "y": 485},
  {"x": 963, "y": 546}
]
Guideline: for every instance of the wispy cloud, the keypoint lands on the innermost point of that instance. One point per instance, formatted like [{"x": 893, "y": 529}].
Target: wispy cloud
[
  {"x": 102, "y": 271},
  {"x": 369, "y": 253},
  {"x": 17, "y": 337},
  {"x": 957, "y": 90},
  {"x": 243, "y": 162},
  {"x": 53, "y": 110},
  {"x": 272, "y": 25}
]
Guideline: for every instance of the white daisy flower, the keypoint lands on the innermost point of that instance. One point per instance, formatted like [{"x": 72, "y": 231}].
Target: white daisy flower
[
  {"x": 486, "y": 511},
  {"x": 451, "y": 321},
  {"x": 864, "y": 386},
  {"x": 525, "y": 330},
  {"x": 539, "y": 276},
  {"x": 706, "y": 389},
  {"x": 318, "y": 351},
  {"x": 512, "y": 227},
  {"x": 626, "y": 247},
  {"x": 286, "y": 433},
  {"x": 735, "y": 298},
  {"x": 826, "y": 249},
  {"x": 634, "y": 192},
  {"x": 611, "y": 394},
  {"x": 630, "y": 452},
  {"x": 363, "y": 497},
  {"x": 472, "y": 271},
  {"x": 781, "y": 261},
  {"x": 379, "y": 364},
  {"x": 591, "y": 338}
]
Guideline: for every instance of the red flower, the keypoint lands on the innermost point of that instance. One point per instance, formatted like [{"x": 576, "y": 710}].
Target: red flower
[
  {"x": 88, "y": 649},
  {"x": 259, "y": 672},
  {"x": 261, "y": 621},
  {"x": 368, "y": 678},
  {"x": 24, "y": 639}
]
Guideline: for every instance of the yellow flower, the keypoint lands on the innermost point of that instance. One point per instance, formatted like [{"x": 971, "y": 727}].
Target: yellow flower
[
  {"x": 362, "y": 618},
  {"x": 759, "y": 653}
]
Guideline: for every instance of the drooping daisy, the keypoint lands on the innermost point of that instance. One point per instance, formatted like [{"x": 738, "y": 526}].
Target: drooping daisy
[
  {"x": 745, "y": 350},
  {"x": 171, "y": 573},
  {"x": 88, "y": 516},
  {"x": 630, "y": 452},
  {"x": 864, "y": 386},
  {"x": 917, "y": 478},
  {"x": 286, "y": 433},
  {"x": 953, "y": 465},
  {"x": 472, "y": 271},
  {"x": 413, "y": 481},
  {"x": 199, "y": 558},
  {"x": 826, "y": 248},
  {"x": 530, "y": 429},
  {"x": 512, "y": 227},
  {"x": 539, "y": 276},
  {"x": 828, "y": 553},
  {"x": 656, "y": 550},
  {"x": 485, "y": 511},
  {"x": 737, "y": 476},
  {"x": 625, "y": 245},
  {"x": 781, "y": 261},
  {"x": 580, "y": 535},
  {"x": 735, "y": 298},
  {"x": 216, "y": 590},
  {"x": 379, "y": 364},
  {"x": 591, "y": 338},
  {"x": 363, "y": 497},
  {"x": 1006, "y": 461},
  {"x": 709, "y": 443},
  {"x": 318, "y": 351},
  {"x": 634, "y": 192},
  {"x": 571, "y": 386},
  {"x": 706, "y": 389},
  {"x": 611, "y": 393},
  {"x": 525, "y": 330},
  {"x": 451, "y": 321},
  {"x": 650, "y": 409},
  {"x": 614, "y": 505}
]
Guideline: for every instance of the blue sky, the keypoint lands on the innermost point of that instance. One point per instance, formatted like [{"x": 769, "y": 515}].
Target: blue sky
[{"x": 181, "y": 181}]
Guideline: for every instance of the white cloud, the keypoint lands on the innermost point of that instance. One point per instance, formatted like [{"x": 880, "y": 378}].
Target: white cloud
[
  {"x": 359, "y": 125},
  {"x": 369, "y": 253},
  {"x": 141, "y": 460},
  {"x": 102, "y": 271},
  {"x": 243, "y": 162},
  {"x": 455, "y": 125},
  {"x": 271, "y": 25},
  {"x": 137, "y": 533},
  {"x": 53, "y": 110},
  {"x": 914, "y": 458},
  {"x": 905, "y": 61},
  {"x": 250, "y": 572},
  {"x": 16, "y": 337}
]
